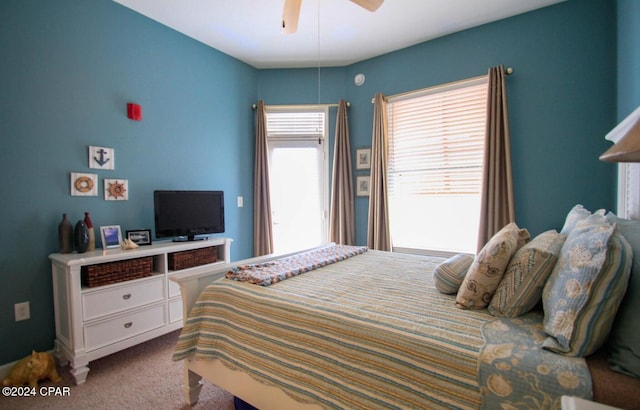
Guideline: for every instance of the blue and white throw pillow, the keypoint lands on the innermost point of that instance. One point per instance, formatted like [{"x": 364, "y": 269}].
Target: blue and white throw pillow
[{"x": 585, "y": 288}]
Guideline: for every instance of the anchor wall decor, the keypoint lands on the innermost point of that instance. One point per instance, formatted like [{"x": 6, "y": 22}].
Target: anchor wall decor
[{"x": 101, "y": 158}]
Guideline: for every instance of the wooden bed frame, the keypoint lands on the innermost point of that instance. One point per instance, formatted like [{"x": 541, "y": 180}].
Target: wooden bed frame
[{"x": 236, "y": 382}]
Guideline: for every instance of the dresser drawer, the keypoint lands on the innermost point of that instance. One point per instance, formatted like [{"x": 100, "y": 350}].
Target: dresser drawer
[
  {"x": 99, "y": 303},
  {"x": 110, "y": 331}
]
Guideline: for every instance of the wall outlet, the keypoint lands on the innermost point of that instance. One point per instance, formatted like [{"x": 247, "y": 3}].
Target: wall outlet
[{"x": 22, "y": 311}]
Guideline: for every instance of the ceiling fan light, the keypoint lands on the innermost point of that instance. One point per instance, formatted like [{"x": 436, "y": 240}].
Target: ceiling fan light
[
  {"x": 626, "y": 136},
  {"x": 290, "y": 16},
  {"x": 371, "y": 5}
]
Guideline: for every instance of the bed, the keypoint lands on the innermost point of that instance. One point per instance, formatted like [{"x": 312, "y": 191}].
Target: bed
[
  {"x": 252, "y": 313},
  {"x": 371, "y": 331}
]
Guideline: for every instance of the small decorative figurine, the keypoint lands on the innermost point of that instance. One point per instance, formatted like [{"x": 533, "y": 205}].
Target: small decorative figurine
[
  {"x": 128, "y": 244},
  {"x": 92, "y": 235},
  {"x": 31, "y": 369}
]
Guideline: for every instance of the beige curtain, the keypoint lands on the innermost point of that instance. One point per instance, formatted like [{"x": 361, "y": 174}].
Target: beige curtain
[
  {"x": 497, "y": 206},
  {"x": 262, "y": 227},
  {"x": 379, "y": 236},
  {"x": 342, "y": 224}
]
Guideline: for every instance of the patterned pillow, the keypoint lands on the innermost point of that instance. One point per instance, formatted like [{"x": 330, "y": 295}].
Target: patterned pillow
[
  {"x": 521, "y": 287},
  {"x": 585, "y": 288},
  {"x": 523, "y": 237},
  {"x": 575, "y": 215},
  {"x": 487, "y": 269},
  {"x": 449, "y": 274},
  {"x": 624, "y": 340}
]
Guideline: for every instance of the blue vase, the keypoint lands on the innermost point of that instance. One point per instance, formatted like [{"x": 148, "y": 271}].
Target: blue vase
[{"x": 81, "y": 237}]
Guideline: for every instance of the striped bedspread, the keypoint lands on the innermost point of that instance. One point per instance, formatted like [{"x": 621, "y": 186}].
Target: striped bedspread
[{"x": 367, "y": 332}]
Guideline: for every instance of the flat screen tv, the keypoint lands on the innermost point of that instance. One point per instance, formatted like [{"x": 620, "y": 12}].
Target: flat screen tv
[{"x": 182, "y": 215}]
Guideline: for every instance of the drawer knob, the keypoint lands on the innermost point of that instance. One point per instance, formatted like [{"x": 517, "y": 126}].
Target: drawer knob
[
  {"x": 126, "y": 296},
  {"x": 128, "y": 325}
]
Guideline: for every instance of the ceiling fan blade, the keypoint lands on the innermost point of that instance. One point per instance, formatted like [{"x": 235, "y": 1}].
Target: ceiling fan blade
[
  {"x": 290, "y": 16},
  {"x": 371, "y": 5}
]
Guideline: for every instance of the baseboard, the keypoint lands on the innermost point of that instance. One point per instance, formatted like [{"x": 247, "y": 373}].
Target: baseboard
[{"x": 5, "y": 369}]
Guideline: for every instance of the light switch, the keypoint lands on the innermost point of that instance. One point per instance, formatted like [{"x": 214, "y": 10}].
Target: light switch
[{"x": 240, "y": 202}]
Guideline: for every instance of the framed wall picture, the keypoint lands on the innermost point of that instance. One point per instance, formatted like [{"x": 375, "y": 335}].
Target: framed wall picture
[
  {"x": 101, "y": 158},
  {"x": 83, "y": 184},
  {"x": 362, "y": 185},
  {"x": 116, "y": 190},
  {"x": 139, "y": 236},
  {"x": 363, "y": 158},
  {"x": 111, "y": 236}
]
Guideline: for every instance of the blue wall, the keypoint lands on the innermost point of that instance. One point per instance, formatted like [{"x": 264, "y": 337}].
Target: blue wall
[
  {"x": 69, "y": 67},
  {"x": 628, "y": 57}
]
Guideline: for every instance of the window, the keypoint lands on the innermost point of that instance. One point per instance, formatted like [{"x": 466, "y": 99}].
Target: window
[
  {"x": 436, "y": 152},
  {"x": 296, "y": 137},
  {"x": 628, "y": 191}
]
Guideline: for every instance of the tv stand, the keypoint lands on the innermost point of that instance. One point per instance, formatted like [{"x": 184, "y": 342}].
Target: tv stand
[{"x": 93, "y": 322}]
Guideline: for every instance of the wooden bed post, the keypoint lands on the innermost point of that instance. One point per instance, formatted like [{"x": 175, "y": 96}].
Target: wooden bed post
[{"x": 191, "y": 386}]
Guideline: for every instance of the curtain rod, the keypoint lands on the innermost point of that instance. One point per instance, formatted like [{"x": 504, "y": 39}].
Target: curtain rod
[
  {"x": 507, "y": 71},
  {"x": 254, "y": 106}
]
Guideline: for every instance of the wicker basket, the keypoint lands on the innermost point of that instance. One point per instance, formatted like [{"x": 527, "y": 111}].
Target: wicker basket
[
  {"x": 195, "y": 257},
  {"x": 114, "y": 272}
]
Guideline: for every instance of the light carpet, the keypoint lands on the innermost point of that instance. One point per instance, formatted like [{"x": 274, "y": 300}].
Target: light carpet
[{"x": 141, "y": 377}]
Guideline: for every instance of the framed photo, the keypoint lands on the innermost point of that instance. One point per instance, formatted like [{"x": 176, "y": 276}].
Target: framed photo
[
  {"x": 363, "y": 158},
  {"x": 111, "y": 236},
  {"x": 139, "y": 236},
  {"x": 362, "y": 186}
]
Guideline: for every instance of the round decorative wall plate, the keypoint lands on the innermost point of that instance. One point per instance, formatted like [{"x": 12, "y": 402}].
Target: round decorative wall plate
[{"x": 358, "y": 79}]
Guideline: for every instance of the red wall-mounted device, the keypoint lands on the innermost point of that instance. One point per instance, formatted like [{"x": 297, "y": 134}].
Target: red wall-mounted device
[{"x": 134, "y": 111}]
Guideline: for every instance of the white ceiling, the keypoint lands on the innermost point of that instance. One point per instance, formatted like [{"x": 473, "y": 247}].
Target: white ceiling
[{"x": 249, "y": 30}]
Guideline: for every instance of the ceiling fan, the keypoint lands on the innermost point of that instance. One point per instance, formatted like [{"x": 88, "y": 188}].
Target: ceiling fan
[{"x": 292, "y": 12}]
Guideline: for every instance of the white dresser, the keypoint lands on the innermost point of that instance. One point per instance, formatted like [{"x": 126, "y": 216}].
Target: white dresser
[{"x": 92, "y": 322}]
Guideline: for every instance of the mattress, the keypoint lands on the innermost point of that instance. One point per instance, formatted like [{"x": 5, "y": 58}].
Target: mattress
[{"x": 368, "y": 332}]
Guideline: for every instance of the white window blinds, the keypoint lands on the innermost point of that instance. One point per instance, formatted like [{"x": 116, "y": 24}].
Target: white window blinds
[
  {"x": 436, "y": 140},
  {"x": 436, "y": 154},
  {"x": 295, "y": 122}
]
